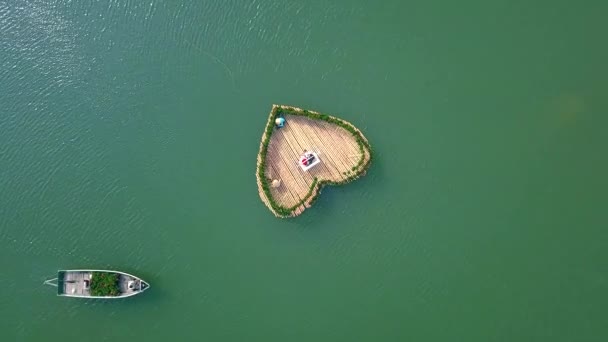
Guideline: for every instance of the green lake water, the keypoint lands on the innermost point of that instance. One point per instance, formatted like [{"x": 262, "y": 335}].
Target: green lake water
[{"x": 128, "y": 139}]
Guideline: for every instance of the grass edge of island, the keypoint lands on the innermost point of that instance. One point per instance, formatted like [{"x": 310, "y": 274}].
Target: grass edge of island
[{"x": 315, "y": 189}]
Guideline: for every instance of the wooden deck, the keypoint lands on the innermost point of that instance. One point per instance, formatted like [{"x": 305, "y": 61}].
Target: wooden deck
[
  {"x": 336, "y": 147},
  {"x": 73, "y": 283}
]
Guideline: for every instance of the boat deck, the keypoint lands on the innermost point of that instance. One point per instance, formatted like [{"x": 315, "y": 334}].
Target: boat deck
[
  {"x": 123, "y": 282},
  {"x": 73, "y": 283}
]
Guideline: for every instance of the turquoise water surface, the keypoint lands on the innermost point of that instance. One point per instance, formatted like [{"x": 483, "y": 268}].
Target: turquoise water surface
[{"x": 129, "y": 136}]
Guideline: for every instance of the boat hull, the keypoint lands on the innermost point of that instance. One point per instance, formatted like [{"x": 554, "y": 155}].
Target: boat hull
[{"x": 75, "y": 284}]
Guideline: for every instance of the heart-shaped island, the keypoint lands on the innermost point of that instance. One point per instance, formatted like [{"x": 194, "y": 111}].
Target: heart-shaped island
[{"x": 301, "y": 151}]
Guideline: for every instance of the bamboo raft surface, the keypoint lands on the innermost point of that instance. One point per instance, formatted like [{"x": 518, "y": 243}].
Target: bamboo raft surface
[{"x": 336, "y": 147}]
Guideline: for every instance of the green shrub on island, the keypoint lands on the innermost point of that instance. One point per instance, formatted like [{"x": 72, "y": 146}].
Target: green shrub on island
[
  {"x": 104, "y": 284},
  {"x": 316, "y": 184}
]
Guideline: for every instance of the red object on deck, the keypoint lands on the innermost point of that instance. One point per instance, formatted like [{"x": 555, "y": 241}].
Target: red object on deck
[{"x": 307, "y": 159}]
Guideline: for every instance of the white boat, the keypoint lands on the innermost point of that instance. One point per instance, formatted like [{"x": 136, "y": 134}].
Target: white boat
[{"x": 105, "y": 284}]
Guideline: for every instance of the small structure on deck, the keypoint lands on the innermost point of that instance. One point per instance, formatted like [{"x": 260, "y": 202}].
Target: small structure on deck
[
  {"x": 276, "y": 183},
  {"x": 308, "y": 160},
  {"x": 280, "y": 122}
]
